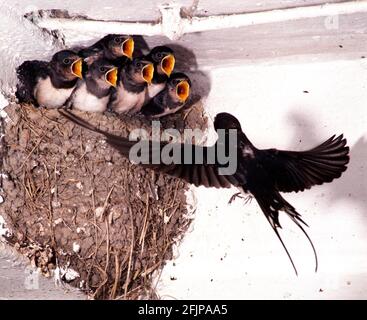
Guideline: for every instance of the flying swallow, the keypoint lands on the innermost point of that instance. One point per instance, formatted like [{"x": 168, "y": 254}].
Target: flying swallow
[
  {"x": 131, "y": 91},
  {"x": 173, "y": 97},
  {"x": 49, "y": 84},
  {"x": 114, "y": 47},
  {"x": 263, "y": 173},
  {"x": 93, "y": 92},
  {"x": 164, "y": 63}
]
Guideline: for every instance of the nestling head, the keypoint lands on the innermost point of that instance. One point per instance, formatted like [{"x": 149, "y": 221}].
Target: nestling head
[
  {"x": 164, "y": 59},
  {"x": 104, "y": 73},
  {"x": 120, "y": 45},
  {"x": 67, "y": 64},
  {"x": 179, "y": 86},
  {"x": 225, "y": 120},
  {"x": 141, "y": 70}
]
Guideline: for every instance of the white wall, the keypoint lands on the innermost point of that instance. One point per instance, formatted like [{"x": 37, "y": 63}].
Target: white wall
[
  {"x": 274, "y": 111},
  {"x": 148, "y": 10}
]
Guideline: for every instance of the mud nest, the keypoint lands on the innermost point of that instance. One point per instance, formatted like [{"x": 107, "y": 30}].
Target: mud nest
[{"x": 75, "y": 205}]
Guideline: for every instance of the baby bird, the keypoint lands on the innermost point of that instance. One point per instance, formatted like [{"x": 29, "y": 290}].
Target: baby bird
[
  {"x": 173, "y": 97},
  {"x": 164, "y": 63},
  {"x": 131, "y": 93},
  {"x": 93, "y": 92},
  {"x": 114, "y": 47},
  {"x": 49, "y": 84}
]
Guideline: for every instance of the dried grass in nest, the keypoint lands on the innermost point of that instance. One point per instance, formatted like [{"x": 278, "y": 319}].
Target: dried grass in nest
[{"x": 74, "y": 202}]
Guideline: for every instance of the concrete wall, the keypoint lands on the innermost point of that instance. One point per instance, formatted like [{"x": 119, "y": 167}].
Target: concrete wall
[{"x": 232, "y": 253}]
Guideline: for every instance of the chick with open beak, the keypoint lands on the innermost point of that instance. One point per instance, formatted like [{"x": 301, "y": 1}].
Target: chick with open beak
[
  {"x": 115, "y": 48},
  {"x": 127, "y": 48},
  {"x": 174, "y": 97},
  {"x": 131, "y": 92},
  {"x": 93, "y": 92},
  {"x": 49, "y": 84},
  {"x": 164, "y": 63},
  {"x": 77, "y": 68}
]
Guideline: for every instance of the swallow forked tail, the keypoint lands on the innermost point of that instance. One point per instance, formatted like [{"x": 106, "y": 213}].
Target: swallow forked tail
[
  {"x": 271, "y": 204},
  {"x": 123, "y": 144},
  {"x": 73, "y": 118}
]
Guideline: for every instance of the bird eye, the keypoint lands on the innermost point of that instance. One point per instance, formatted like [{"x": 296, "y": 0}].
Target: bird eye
[
  {"x": 138, "y": 64},
  {"x": 159, "y": 55},
  {"x": 102, "y": 69},
  {"x": 117, "y": 40},
  {"x": 66, "y": 60}
]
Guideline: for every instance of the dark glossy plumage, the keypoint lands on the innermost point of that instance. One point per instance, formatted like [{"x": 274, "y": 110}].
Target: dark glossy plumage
[
  {"x": 262, "y": 173},
  {"x": 28, "y": 73}
]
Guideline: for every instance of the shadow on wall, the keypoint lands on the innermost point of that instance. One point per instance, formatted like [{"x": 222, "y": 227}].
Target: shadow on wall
[
  {"x": 305, "y": 132},
  {"x": 141, "y": 46},
  {"x": 352, "y": 185}
]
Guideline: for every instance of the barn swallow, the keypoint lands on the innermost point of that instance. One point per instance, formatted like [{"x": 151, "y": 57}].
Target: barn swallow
[
  {"x": 114, "y": 47},
  {"x": 263, "y": 173},
  {"x": 131, "y": 91},
  {"x": 164, "y": 63},
  {"x": 93, "y": 92},
  {"x": 174, "y": 97},
  {"x": 49, "y": 84}
]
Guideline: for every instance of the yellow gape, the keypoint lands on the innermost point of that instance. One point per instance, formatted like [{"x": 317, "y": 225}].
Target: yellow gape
[
  {"x": 111, "y": 76},
  {"x": 128, "y": 48},
  {"x": 168, "y": 64},
  {"x": 77, "y": 68},
  {"x": 183, "y": 90},
  {"x": 148, "y": 72}
]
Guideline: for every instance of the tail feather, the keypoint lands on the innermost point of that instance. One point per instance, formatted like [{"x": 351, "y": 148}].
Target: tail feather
[
  {"x": 271, "y": 204},
  {"x": 123, "y": 145}
]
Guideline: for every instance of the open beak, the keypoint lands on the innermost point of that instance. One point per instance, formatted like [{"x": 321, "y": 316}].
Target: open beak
[
  {"x": 77, "y": 68},
  {"x": 183, "y": 90},
  {"x": 148, "y": 73},
  {"x": 168, "y": 64},
  {"x": 128, "y": 48},
  {"x": 111, "y": 76}
]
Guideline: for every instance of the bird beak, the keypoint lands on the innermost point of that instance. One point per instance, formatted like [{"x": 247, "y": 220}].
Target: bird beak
[
  {"x": 168, "y": 64},
  {"x": 111, "y": 77},
  {"x": 183, "y": 90},
  {"x": 77, "y": 68},
  {"x": 128, "y": 48},
  {"x": 148, "y": 73}
]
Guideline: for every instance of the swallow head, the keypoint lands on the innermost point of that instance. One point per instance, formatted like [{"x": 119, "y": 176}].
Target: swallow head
[
  {"x": 121, "y": 45},
  {"x": 179, "y": 86},
  {"x": 141, "y": 70},
  {"x": 164, "y": 59},
  {"x": 67, "y": 64},
  {"x": 103, "y": 73},
  {"x": 225, "y": 120}
]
